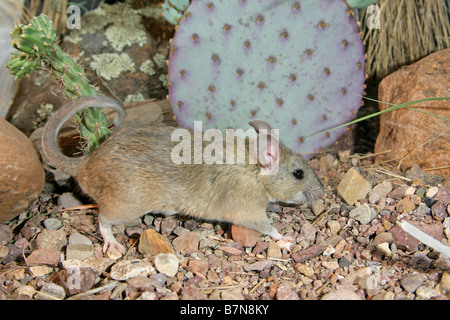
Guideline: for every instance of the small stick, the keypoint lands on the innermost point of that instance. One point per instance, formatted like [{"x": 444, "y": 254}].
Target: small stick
[
  {"x": 257, "y": 285},
  {"x": 107, "y": 286}
]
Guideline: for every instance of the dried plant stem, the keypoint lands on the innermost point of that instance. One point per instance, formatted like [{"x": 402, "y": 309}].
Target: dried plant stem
[{"x": 410, "y": 30}]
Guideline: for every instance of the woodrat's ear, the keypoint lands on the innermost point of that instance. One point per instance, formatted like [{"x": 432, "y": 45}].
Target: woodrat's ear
[
  {"x": 269, "y": 152},
  {"x": 259, "y": 124}
]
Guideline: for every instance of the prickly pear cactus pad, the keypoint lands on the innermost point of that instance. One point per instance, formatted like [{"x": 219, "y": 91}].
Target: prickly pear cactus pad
[{"x": 297, "y": 64}]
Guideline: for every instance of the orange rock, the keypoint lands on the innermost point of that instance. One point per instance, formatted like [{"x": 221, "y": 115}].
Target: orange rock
[
  {"x": 152, "y": 243},
  {"x": 21, "y": 172},
  {"x": 245, "y": 236},
  {"x": 419, "y": 138}
]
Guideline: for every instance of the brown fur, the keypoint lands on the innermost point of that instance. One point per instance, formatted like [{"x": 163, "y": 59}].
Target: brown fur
[{"x": 132, "y": 173}]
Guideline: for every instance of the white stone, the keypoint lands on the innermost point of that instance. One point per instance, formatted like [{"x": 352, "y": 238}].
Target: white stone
[
  {"x": 431, "y": 192},
  {"x": 131, "y": 268},
  {"x": 384, "y": 247},
  {"x": 167, "y": 263}
]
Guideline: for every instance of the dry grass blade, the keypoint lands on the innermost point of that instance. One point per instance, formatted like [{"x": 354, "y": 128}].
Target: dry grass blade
[{"x": 410, "y": 30}]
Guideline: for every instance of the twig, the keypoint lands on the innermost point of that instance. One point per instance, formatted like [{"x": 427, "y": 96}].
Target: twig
[
  {"x": 257, "y": 285},
  {"x": 219, "y": 288},
  {"x": 320, "y": 217},
  {"x": 83, "y": 207},
  {"x": 437, "y": 168},
  {"x": 278, "y": 259},
  {"x": 370, "y": 155},
  {"x": 107, "y": 286},
  {"x": 381, "y": 170}
]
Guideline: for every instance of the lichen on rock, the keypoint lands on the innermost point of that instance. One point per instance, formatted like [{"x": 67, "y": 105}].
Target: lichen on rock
[
  {"x": 110, "y": 65},
  {"x": 121, "y": 35},
  {"x": 148, "y": 67}
]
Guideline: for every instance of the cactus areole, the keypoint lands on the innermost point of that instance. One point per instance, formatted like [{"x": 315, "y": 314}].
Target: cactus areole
[{"x": 298, "y": 65}]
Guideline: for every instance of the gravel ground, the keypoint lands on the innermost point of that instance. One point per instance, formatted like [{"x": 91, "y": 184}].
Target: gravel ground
[{"x": 341, "y": 251}]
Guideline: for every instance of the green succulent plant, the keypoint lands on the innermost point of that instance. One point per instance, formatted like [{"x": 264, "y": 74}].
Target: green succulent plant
[{"x": 37, "y": 46}]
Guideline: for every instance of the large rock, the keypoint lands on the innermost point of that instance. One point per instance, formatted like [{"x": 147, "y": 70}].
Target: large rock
[
  {"x": 22, "y": 176},
  {"x": 420, "y": 138}
]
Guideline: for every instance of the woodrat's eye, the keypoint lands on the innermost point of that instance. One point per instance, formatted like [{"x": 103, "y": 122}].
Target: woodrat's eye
[{"x": 298, "y": 174}]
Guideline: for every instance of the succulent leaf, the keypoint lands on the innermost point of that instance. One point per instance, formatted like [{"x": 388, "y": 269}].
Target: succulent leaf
[{"x": 297, "y": 64}]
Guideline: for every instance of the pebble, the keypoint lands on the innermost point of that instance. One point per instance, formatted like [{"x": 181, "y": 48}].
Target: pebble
[
  {"x": 285, "y": 292},
  {"x": 68, "y": 200},
  {"x": 79, "y": 248},
  {"x": 148, "y": 295},
  {"x": 405, "y": 205},
  {"x": 423, "y": 209},
  {"x": 51, "y": 291},
  {"x": 329, "y": 251},
  {"x": 258, "y": 266},
  {"x": 168, "y": 225},
  {"x": 412, "y": 283},
  {"x": 79, "y": 251},
  {"x": 384, "y": 248},
  {"x": 260, "y": 247},
  {"x": 317, "y": 206},
  {"x": 51, "y": 239},
  {"x": 245, "y": 236},
  {"x": 26, "y": 291},
  {"x": 134, "y": 231},
  {"x": 5, "y": 234},
  {"x": 444, "y": 285},
  {"x": 353, "y": 187},
  {"x": 126, "y": 269},
  {"x": 371, "y": 284},
  {"x": 420, "y": 261},
  {"x": 374, "y": 197},
  {"x": 153, "y": 243},
  {"x": 208, "y": 242},
  {"x": 410, "y": 191},
  {"x": 80, "y": 276},
  {"x": 305, "y": 269},
  {"x": 383, "y": 237},
  {"x": 416, "y": 172},
  {"x": 199, "y": 266},
  {"x": 44, "y": 256},
  {"x": 167, "y": 263},
  {"x": 431, "y": 192},
  {"x": 230, "y": 250},
  {"x": 364, "y": 214},
  {"x": 187, "y": 243},
  {"x": 384, "y": 296},
  {"x": 325, "y": 163},
  {"x": 78, "y": 238},
  {"x": 425, "y": 293},
  {"x": 309, "y": 253},
  {"x": 330, "y": 265},
  {"x": 232, "y": 294},
  {"x": 308, "y": 231},
  {"x": 274, "y": 250},
  {"x": 398, "y": 193},
  {"x": 334, "y": 226},
  {"x": 341, "y": 294},
  {"x": 40, "y": 271},
  {"x": 52, "y": 224},
  {"x": 382, "y": 189}
]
